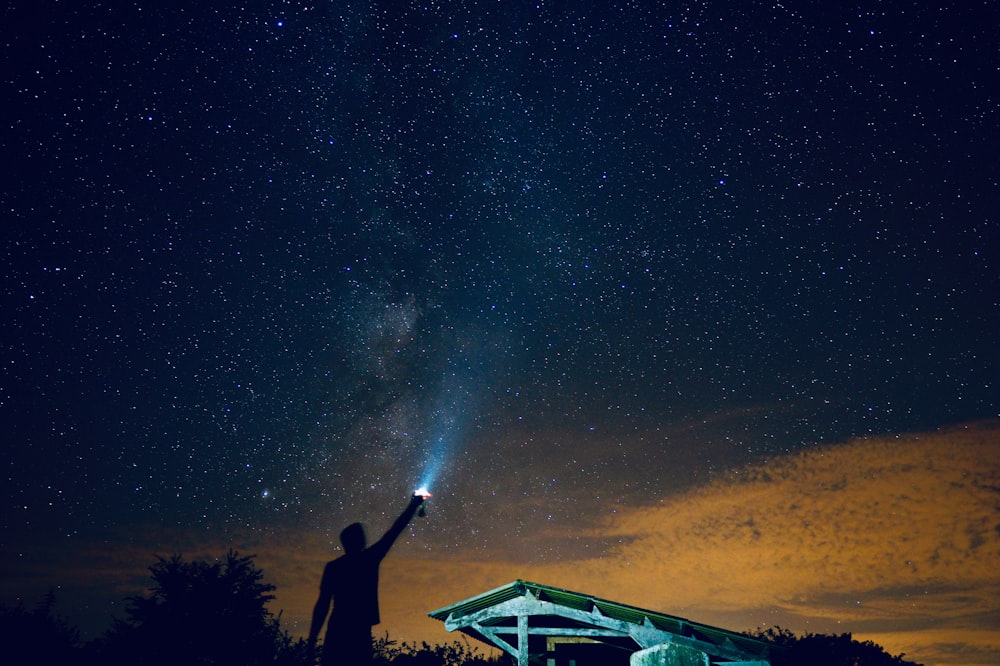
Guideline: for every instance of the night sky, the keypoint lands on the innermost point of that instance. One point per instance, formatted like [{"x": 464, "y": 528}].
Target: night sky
[{"x": 634, "y": 287}]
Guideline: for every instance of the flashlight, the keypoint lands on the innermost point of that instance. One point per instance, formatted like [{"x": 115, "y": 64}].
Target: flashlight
[{"x": 422, "y": 492}]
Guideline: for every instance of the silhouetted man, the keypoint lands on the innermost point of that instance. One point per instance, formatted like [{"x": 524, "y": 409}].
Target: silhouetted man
[{"x": 351, "y": 583}]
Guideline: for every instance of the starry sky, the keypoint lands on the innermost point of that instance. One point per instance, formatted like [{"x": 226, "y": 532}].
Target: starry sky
[{"x": 690, "y": 305}]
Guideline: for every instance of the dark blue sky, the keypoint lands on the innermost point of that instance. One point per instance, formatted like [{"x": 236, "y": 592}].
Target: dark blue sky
[{"x": 265, "y": 265}]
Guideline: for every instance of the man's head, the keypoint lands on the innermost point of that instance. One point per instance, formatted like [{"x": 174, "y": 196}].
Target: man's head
[{"x": 353, "y": 538}]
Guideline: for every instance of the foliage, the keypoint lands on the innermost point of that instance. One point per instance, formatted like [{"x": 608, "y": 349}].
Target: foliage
[
  {"x": 205, "y": 613},
  {"x": 457, "y": 653},
  {"x": 826, "y": 650},
  {"x": 38, "y": 635}
]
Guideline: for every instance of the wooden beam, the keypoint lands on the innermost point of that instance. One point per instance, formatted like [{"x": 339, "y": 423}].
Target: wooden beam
[
  {"x": 497, "y": 640},
  {"x": 522, "y": 640},
  {"x": 563, "y": 631}
]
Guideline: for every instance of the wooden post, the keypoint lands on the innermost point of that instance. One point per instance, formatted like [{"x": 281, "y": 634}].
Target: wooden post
[{"x": 522, "y": 640}]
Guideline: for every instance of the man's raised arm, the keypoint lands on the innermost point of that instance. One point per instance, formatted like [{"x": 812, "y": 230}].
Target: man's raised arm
[{"x": 382, "y": 546}]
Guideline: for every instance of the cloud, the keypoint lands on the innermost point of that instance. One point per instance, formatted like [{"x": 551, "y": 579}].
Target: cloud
[
  {"x": 916, "y": 513},
  {"x": 932, "y": 645}
]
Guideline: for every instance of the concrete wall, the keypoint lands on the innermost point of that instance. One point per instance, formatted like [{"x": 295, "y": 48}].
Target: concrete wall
[{"x": 669, "y": 655}]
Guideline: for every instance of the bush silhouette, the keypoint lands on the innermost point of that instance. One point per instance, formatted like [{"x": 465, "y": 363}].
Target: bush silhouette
[
  {"x": 827, "y": 650},
  {"x": 37, "y": 636},
  {"x": 204, "y": 613},
  {"x": 456, "y": 653}
]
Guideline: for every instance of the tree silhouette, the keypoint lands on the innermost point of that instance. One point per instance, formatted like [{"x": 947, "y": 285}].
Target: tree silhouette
[
  {"x": 827, "y": 650},
  {"x": 37, "y": 636},
  {"x": 201, "y": 613}
]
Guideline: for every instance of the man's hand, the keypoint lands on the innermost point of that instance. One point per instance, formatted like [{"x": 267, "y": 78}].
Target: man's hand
[{"x": 418, "y": 501}]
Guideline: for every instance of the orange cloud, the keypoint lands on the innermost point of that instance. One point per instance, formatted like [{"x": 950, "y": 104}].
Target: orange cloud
[{"x": 896, "y": 513}]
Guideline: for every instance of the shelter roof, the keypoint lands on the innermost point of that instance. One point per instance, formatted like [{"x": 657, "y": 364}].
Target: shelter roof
[{"x": 493, "y": 618}]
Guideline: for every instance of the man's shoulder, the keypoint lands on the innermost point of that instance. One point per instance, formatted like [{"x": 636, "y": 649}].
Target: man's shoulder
[
  {"x": 335, "y": 563},
  {"x": 349, "y": 560}
]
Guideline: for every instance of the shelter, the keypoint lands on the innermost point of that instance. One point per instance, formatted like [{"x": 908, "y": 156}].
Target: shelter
[{"x": 548, "y": 626}]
